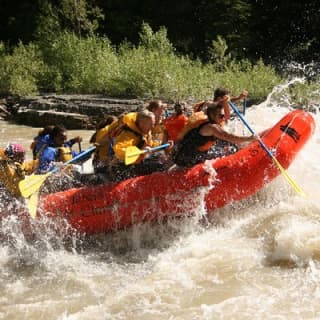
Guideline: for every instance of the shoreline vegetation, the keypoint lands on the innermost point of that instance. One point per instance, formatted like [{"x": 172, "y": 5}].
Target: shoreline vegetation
[{"x": 69, "y": 64}]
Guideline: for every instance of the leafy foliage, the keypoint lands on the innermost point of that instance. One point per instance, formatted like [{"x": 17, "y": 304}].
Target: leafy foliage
[
  {"x": 20, "y": 71},
  {"x": 69, "y": 63},
  {"x": 84, "y": 65},
  {"x": 157, "y": 41}
]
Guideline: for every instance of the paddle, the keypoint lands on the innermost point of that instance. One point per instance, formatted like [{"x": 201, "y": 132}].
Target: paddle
[
  {"x": 80, "y": 149},
  {"x": 293, "y": 184},
  {"x": 32, "y": 204},
  {"x": 133, "y": 153},
  {"x": 32, "y": 183}
]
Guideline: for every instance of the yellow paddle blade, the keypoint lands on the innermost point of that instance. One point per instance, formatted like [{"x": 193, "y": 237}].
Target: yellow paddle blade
[
  {"x": 293, "y": 184},
  {"x": 282, "y": 170},
  {"x": 32, "y": 184},
  {"x": 32, "y": 204},
  {"x": 132, "y": 154}
]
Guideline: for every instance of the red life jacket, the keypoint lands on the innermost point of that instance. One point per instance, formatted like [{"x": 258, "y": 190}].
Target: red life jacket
[{"x": 174, "y": 125}]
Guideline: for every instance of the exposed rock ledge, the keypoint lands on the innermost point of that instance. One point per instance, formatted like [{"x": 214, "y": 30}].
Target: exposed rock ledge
[{"x": 73, "y": 111}]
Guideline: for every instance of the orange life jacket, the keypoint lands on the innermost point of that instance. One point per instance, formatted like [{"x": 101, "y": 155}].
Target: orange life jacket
[
  {"x": 199, "y": 106},
  {"x": 194, "y": 121}
]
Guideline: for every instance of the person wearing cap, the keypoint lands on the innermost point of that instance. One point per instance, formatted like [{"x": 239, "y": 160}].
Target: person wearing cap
[{"x": 13, "y": 168}]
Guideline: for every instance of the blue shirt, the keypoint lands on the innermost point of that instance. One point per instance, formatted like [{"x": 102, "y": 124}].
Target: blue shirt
[{"x": 50, "y": 153}]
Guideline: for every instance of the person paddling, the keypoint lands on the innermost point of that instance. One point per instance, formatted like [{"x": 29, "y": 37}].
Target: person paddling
[
  {"x": 56, "y": 149},
  {"x": 102, "y": 138},
  {"x": 40, "y": 140},
  {"x": 13, "y": 168},
  {"x": 136, "y": 131},
  {"x": 199, "y": 144},
  {"x": 54, "y": 153},
  {"x": 222, "y": 95}
]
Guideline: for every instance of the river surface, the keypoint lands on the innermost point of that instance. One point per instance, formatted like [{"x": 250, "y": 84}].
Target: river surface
[{"x": 258, "y": 259}]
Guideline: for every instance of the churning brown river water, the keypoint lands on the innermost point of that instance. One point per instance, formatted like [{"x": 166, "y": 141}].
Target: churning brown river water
[{"x": 258, "y": 259}]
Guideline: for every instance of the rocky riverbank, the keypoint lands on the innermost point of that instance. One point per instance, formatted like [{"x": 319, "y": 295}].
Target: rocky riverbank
[{"x": 73, "y": 111}]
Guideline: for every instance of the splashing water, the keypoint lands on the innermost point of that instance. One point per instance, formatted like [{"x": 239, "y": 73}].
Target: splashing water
[{"x": 258, "y": 258}]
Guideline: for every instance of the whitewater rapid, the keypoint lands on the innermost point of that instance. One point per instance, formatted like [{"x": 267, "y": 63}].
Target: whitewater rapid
[{"x": 256, "y": 259}]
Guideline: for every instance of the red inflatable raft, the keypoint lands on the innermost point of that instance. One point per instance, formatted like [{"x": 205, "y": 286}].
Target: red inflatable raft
[{"x": 161, "y": 195}]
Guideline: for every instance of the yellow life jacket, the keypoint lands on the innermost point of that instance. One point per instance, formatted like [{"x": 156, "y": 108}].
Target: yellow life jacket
[
  {"x": 130, "y": 135},
  {"x": 30, "y": 166},
  {"x": 11, "y": 173},
  {"x": 159, "y": 134},
  {"x": 104, "y": 138},
  {"x": 2, "y": 155},
  {"x": 64, "y": 154}
]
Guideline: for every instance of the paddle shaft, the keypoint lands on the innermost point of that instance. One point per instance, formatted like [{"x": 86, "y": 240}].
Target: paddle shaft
[
  {"x": 132, "y": 153},
  {"x": 235, "y": 109},
  {"x": 31, "y": 190},
  {"x": 162, "y": 146},
  {"x": 80, "y": 149},
  {"x": 293, "y": 184},
  {"x": 74, "y": 159},
  {"x": 32, "y": 183},
  {"x": 244, "y": 106},
  {"x": 137, "y": 153}
]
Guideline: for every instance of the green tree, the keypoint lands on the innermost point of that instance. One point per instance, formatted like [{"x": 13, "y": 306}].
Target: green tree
[
  {"x": 79, "y": 16},
  {"x": 155, "y": 40},
  {"x": 218, "y": 53},
  {"x": 49, "y": 25}
]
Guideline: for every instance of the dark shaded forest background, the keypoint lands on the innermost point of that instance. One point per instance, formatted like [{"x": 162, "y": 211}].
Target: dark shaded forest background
[
  {"x": 170, "y": 49},
  {"x": 272, "y": 30}
]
